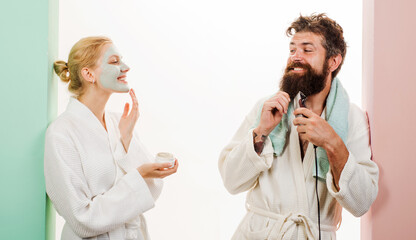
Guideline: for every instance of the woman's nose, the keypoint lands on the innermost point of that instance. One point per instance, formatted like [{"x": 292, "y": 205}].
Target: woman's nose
[{"x": 124, "y": 68}]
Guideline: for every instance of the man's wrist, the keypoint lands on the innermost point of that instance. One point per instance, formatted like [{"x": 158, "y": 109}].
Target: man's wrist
[
  {"x": 334, "y": 145},
  {"x": 259, "y": 140},
  {"x": 260, "y": 131},
  {"x": 338, "y": 155}
]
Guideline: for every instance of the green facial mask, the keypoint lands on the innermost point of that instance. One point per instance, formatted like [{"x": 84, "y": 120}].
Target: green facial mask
[{"x": 111, "y": 76}]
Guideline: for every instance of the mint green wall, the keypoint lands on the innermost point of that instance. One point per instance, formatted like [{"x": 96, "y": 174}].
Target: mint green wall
[{"x": 28, "y": 44}]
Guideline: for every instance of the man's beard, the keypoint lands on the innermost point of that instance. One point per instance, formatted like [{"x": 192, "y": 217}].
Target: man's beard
[{"x": 309, "y": 82}]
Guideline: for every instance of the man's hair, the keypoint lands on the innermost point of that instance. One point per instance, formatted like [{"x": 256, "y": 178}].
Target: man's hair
[{"x": 331, "y": 32}]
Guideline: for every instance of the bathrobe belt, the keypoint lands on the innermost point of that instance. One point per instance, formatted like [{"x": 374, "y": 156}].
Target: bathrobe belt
[
  {"x": 286, "y": 224},
  {"x": 117, "y": 234}
]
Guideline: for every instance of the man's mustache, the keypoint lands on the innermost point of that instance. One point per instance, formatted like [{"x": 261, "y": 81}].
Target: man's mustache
[{"x": 293, "y": 65}]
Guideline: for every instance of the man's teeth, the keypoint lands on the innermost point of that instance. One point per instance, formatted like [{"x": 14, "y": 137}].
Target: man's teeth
[{"x": 298, "y": 69}]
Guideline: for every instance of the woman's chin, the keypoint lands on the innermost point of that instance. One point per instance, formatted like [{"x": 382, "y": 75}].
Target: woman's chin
[{"x": 125, "y": 88}]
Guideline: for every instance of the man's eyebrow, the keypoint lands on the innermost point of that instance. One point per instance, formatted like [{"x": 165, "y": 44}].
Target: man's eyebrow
[
  {"x": 304, "y": 44},
  {"x": 308, "y": 43}
]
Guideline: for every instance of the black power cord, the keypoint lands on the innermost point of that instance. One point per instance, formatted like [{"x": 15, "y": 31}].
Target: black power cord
[
  {"x": 316, "y": 190},
  {"x": 302, "y": 103}
]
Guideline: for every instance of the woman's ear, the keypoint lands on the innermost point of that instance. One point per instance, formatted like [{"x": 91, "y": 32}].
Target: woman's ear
[
  {"x": 88, "y": 75},
  {"x": 334, "y": 62}
]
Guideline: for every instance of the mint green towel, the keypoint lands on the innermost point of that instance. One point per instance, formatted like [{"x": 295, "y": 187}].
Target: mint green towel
[{"x": 337, "y": 108}]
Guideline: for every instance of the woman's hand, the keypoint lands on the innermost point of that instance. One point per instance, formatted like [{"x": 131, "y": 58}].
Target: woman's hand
[
  {"x": 157, "y": 170},
  {"x": 128, "y": 121}
]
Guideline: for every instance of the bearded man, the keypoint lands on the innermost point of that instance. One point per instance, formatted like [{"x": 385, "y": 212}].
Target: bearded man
[{"x": 302, "y": 165}]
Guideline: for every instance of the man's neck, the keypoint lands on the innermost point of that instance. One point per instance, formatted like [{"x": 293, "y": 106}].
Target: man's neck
[{"x": 316, "y": 103}]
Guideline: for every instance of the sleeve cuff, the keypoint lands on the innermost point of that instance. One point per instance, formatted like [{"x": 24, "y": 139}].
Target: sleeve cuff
[
  {"x": 265, "y": 160},
  {"x": 136, "y": 182},
  {"x": 344, "y": 179}
]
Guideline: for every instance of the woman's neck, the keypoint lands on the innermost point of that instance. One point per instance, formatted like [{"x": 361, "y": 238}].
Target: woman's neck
[{"x": 96, "y": 102}]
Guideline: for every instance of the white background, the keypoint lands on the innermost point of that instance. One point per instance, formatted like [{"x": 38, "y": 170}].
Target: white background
[{"x": 198, "y": 67}]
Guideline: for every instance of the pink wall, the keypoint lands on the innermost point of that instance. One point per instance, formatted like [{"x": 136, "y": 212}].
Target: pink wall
[{"x": 389, "y": 53}]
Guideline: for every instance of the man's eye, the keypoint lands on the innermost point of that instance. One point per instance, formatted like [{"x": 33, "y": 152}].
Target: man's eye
[
  {"x": 292, "y": 50},
  {"x": 308, "y": 50},
  {"x": 115, "y": 62}
]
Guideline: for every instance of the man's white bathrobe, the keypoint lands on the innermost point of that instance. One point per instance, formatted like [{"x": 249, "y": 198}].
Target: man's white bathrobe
[
  {"x": 281, "y": 202},
  {"x": 91, "y": 180}
]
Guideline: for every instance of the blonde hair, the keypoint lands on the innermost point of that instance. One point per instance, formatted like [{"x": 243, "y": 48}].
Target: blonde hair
[{"x": 85, "y": 53}]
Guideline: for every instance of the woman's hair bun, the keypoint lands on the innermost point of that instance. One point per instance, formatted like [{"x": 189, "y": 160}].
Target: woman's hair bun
[{"x": 62, "y": 70}]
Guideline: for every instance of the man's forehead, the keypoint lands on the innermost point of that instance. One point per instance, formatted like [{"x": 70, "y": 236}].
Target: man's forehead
[{"x": 306, "y": 38}]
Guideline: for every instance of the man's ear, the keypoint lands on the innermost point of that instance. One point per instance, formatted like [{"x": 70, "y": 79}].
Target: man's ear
[
  {"x": 88, "y": 75},
  {"x": 334, "y": 62}
]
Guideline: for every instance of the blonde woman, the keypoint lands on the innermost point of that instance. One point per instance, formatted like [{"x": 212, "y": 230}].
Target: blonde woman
[{"x": 98, "y": 174}]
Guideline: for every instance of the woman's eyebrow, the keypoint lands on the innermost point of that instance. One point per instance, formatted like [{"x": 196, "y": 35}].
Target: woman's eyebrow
[{"x": 116, "y": 56}]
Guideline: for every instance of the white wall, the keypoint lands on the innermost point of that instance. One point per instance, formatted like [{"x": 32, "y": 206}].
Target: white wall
[{"x": 198, "y": 67}]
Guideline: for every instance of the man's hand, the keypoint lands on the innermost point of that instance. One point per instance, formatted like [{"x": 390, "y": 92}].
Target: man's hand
[
  {"x": 313, "y": 128},
  {"x": 157, "y": 170},
  {"x": 128, "y": 121},
  {"x": 271, "y": 115},
  {"x": 318, "y": 131}
]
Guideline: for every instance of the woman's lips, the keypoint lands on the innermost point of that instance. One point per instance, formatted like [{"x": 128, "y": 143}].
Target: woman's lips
[{"x": 122, "y": 79}]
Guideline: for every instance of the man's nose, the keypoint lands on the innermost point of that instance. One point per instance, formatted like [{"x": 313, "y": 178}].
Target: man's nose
[{"x": 296, "y": 56}]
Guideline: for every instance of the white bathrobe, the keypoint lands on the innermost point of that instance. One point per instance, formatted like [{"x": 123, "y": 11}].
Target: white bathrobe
[
  {"x": 281, "y": 202},
  {"x": 91, "y": 180}
]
